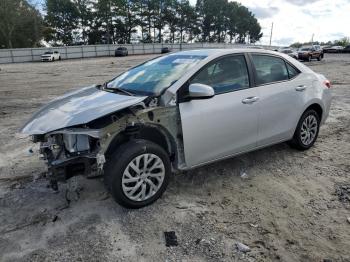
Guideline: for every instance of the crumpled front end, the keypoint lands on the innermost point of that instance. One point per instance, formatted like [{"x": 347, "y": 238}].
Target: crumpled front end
[{"x": 71, "y": 152}]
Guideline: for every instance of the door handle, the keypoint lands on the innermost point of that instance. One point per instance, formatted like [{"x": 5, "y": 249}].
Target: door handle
[
  {"x": 250, "y": 100},
  {"x": 300, "y": 88}
]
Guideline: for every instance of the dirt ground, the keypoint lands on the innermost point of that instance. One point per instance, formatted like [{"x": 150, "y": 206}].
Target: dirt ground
[{"x": 289, "y": 205}]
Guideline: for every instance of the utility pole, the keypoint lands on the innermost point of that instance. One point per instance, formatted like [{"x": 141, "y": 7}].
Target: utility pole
[
  {"x": 312, "y": 39},
  {"x": 271, "y": 33}
]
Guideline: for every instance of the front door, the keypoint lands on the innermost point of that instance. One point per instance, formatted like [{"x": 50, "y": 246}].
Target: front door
[{"x": 225, "y": 124}]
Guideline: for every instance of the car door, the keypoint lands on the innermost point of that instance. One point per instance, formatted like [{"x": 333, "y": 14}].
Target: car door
[
  {"x": 281, "y": 89},
  {"x": 225, "y": 124}
]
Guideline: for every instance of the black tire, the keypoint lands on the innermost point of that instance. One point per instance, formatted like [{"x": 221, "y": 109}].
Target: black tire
[
  {"x": 59, "y": 58},
  {"x": 319, "y": 58},
  {"x": 296, "y": 141},
  {"x": 309, "y": 58},
  {"x": 118, "y": 162},
  {"x": 53, "y": 59}
]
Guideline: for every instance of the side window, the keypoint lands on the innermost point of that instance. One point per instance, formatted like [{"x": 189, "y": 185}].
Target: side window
[
  {"x": 292, "y": 72},
  {"x": 269, "y": 69},
  {"x": 225, "y": 75}
]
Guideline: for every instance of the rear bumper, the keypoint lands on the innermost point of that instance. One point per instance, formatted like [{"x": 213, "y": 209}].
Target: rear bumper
[
  {"x": 327, "y": 100},
  {"x": 303, "y": 56}
]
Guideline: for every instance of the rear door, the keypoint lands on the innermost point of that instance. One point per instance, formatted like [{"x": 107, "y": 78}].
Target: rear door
[
  {"x": 281, "y": 88},
  {"x": 225, "y": 124}
]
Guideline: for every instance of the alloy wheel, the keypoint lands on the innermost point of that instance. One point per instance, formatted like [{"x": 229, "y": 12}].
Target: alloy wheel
[
  {"x": 308, "y": 130},
  {"x": 143, "y": 177}
]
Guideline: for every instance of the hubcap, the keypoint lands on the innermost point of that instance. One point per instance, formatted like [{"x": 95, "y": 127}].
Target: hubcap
[
  {"x": 308, "y": 130},
  {"x": 143, "y": 177}
]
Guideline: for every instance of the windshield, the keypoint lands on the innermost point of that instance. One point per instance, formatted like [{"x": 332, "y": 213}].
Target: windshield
[
  {"x": 306, "y": 49},
  {"x": 48, "y": 53},
  {"x": 152, "y": 77},
  {"x": 287, "y": 51}
]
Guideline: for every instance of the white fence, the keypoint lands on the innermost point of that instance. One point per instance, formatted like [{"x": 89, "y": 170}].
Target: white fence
[{"x": 19, "y": 55}]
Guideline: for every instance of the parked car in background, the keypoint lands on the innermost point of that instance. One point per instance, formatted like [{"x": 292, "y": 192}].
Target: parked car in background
[
  {"x": 319, "y": 48},
  {"x": 290, "y": 52},
  {"x": 121, "y": 51},
  {"x": 307, "y": 53},
  {"x": 333, "y": 49},
  {"x": 165, "y": 50},
  {"x": 50, "y": 56},
  {"x": 346, "y": 49},
  {"x": 177, "y": 112}
]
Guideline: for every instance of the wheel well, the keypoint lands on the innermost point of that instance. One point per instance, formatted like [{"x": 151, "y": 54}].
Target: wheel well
[
  {"x": 317, "y": 108},
  {"x": 150, "y": 133}
]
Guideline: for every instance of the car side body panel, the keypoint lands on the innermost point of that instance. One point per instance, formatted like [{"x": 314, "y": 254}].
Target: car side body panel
[
  {"x": 279, "y": 108},
  {"x": 219, "y": 126}
]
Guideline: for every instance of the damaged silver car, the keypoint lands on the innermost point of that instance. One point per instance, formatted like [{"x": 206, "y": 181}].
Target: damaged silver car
[{"x": 177, "y": 112}]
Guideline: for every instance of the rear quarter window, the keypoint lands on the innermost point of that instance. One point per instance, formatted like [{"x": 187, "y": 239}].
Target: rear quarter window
[{"x": 292, "y": 71}]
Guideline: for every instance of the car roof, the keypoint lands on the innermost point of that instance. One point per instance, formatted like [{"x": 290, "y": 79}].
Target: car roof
[
  {"x": 217, "y": 52},
  {"x": 212, "y": 54}
]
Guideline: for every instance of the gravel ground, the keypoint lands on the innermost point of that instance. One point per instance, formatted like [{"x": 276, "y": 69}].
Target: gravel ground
[{"x": 290, "y": 205}]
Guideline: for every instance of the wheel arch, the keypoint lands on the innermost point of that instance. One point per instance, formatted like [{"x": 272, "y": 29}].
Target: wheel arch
[
  {"x": 151, "y": 132},
  {"x": 317, "y": 107}
]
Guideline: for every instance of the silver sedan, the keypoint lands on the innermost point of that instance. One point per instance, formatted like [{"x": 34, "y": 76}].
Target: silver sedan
[{"x": 178, "y": 112}]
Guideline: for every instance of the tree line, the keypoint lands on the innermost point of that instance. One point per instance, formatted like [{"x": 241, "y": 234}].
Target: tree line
[{"x": 69, "y": 22}]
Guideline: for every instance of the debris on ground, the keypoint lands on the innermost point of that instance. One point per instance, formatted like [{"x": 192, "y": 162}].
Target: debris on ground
[
  {"x": 343, "y": 193},
  {"x": 242, "y": 247},
  {"x": 243, "y": 175},
  {"x": 170, "y": 239}
]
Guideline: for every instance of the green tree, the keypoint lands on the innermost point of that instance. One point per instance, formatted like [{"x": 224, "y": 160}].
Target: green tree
[
  {"x": 129, "y": 18},
  {"x": 20, "y": 24},
  {"x": 187, "y": 18},
  {"x": 220, "y": 18},
  {"x": 62, "y": 18},
  {"x": 84, "y": 8}
]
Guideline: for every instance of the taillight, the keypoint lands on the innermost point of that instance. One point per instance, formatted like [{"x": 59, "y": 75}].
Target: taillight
[{"x": 327, "y": 83}]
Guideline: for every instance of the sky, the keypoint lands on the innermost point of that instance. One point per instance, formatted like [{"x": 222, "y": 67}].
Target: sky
[{"x": 297, "y": 20}]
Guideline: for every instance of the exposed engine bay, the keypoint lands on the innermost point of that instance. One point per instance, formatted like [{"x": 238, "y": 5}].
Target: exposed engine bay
[{"x": 83, "y": 149}]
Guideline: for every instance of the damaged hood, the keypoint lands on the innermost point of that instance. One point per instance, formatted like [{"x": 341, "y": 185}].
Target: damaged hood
[{"x": 77, "y": 107}]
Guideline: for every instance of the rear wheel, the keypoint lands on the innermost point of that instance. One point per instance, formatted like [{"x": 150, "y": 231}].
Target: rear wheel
[
  {"x": 137, "y": 173},
  {"x": 307, "y": 130}
]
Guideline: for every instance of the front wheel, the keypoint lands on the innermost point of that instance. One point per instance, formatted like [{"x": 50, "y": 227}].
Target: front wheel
[
  {"x": 309, "y": 58},
  {"x": 138, "y": 173},
  {"x": 307, "y": 130}
]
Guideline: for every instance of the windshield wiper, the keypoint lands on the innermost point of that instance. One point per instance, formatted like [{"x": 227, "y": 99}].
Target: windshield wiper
[{"x": 118, "y": 89}]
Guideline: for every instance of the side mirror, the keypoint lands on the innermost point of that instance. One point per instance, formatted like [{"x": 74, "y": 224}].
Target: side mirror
[{"x": 200, "y": 91}]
